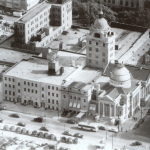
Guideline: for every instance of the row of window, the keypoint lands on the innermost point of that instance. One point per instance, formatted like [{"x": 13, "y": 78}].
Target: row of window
[
  {"x": 96, "y": 62},
  {"x": 49, "y": 101}
]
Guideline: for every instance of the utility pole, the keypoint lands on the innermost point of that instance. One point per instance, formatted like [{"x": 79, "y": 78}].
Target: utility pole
[{"x": 112, "y": 140}]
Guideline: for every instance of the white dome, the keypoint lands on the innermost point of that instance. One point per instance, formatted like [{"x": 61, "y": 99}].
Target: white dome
[
  {"x": 101, "y": 23},
  {"x": 120, "y": 76}
]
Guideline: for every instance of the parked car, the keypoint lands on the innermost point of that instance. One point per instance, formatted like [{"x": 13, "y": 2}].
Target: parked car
[
  {"x": 65, "y": 112},
  {"x": 113, "y": 130},
  {"x": 64, "y": 148},
  {"x": 78, "y": 135},
  {"x": 102, "y": 128},
  {"x": 65, "y": 32},
  {"x": 71, "y": 121},
  {"x": 136, "y": 143},
  {"x": 15, "y": 115},
  {"x": 18, "y": 130},
  {"x": 44, "y": 128},
  {"x": 1, "y": 17},
  {"x": 41, "y": 134},
  {"x": 75, "y": 140},
  {"x": 12, "y": 129},
  {"x": 6, "y": 127},
  {"x": 21, "y": 124},
  {"x": 63, "y": 139},
  {"x": 34, "y": 133},
  {"x": 38, "y": 119},
  {"x": 23, "y": 131},
  {"x": 148, "y": 112},
  {"x": 69, "y": 140},
  {"x": 67, "y": 133},
  {"x": 52, "y": 137},
  {"x": 1, "y": 120},
  {"x": 70, "y": 114}
]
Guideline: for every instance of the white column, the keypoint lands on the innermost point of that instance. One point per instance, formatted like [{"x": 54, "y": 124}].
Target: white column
[{"x": 103, "y": 115}]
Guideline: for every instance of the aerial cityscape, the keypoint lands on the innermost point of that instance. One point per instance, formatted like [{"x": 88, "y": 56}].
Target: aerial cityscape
[{"x": 74, "y": 74}]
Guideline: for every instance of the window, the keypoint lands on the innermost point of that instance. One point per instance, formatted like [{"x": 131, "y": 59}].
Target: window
[
  {"x": 53, "y": 101},
  {"x": 28, "y": 83},
  {"x": 126, "y": 3},
  {"x": 28, "y": 90},
  {"x": 90, "y": 48},
  {"x": 70, "y": 97},
  {"x": 79, "y": 98},
  {"x": 9, "y": 79},
  {"x": 52, "y": 94},
  {"x": 56, "y": 102},
  {"x": 84, "y": 100},
  {"x": 113, "y": 1},
  {"x": 42, "y": 95},
  {"x": 13, "y": 86},
  {"x": 48, "y": 87},
  {"x": 24, "y": 89},
  {"x": 108, "y": 1},
  {"x": 56, "y": 95},
  {"x": 90, "y": 42},
  {"x": 52, "y": 87},
  {"x": 97, "y": 35},
  {"x": 13, "y": 80},
  {"x": 18, "y": 91},
  {"x": 111, "y": 54},
  {"x": 9, "y": 86},
  {"x": 35, "y": 85},
  {"x": 96, "y": 43},
  {"x": 57, "y": 88},
  {"x": 5, "y": 78},
  {"x": 35, "y": 91},
  {"x": 32, "y": 91},
  {"x": 9, "y": 92},
  {"x": 24, "y": 82},
  {"x": 96, "y": 56},
  {"x": 96, "y": 49},
  {"x": 75, "y": 98},
  {"x": 103, "y": 54},
  {"x": 48, "y": 93},
  {"x": 18, "y": 84},
  {"x": 64, "y": 96},
  {"x": 48, "y": 100},
  {"x": 90, "y": 55},
  {"x": 90, "y": 61},
  {"x": 103, "y": 60},
  {"x": 32, "y": 84},
  {"x": 5, "y": 92},
  {"x": 5, "y": 85},
  {"x": 103, "y": 44},
  {"x": 42, "y": 88},
  {"x": 132, "y": 4},
  {"x": 121, "y": 2}
]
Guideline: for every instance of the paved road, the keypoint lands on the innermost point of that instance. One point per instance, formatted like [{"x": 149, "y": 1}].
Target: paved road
[
  {"x": 57, "y": 126},
  {"x": 9, "y": 19}
]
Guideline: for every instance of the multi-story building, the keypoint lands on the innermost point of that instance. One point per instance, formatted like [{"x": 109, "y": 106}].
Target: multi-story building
[
  {"x": 130, "y": 4},
  {"x": 10, "y": 5},
  {"x": 67, "y": 82},
  {"x": 42, "y": 24},
  {"x": 100, "y": 44}
]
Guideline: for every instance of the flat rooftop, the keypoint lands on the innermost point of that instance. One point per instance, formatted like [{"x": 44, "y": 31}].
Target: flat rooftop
[
  {"x": 86, "y": 76},
  {"x": 12, "y": 56},
  {"x": 125, "y": 39},
  {"x": 33, "y": 12},
  {"x": 36, "y": 69}
]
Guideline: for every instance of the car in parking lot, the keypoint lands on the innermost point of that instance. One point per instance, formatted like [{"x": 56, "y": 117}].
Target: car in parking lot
[
  {"x": 15, "y": 115},
  {"x": 64, "y": 148},
  {"x": 102, "y": 128},
  {"x": 1, "y": 17},
  {"x": 21, "y": 124},
  {"x": 70, "y": 114},
  {"x": 38, "y": 119},
  {"x": 71, "y": 121},
  {"x": 1, "y": 120},
  {"x": 136, "y": 143},
  {"x": 67, "y": 133},
  {"x": 44, "y": 128},
  {"x": 78, "y": 135}
]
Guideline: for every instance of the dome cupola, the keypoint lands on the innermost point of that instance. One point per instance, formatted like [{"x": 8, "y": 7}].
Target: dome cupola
[{"x": 120, "y": 76}]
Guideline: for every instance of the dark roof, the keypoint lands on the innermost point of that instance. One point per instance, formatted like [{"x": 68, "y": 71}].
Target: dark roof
[
  {"x": 136, "y": 72},
  {"x": 77, "y": 85}
]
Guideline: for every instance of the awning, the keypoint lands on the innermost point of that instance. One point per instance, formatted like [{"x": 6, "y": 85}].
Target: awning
[
  {"x": 75, "y": 104},
  {"x": 70, "y": 104},
  {"x": 78, "y": 105},
  {"x": 91, "y": 107},
  {"x": 80, "y": 115}
]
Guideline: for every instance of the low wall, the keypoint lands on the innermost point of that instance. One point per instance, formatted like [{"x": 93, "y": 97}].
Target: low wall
[{"x": 128, "y": 27}]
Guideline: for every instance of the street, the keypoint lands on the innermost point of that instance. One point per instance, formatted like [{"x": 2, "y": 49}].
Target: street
[{"x": 57, "y": 126}]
